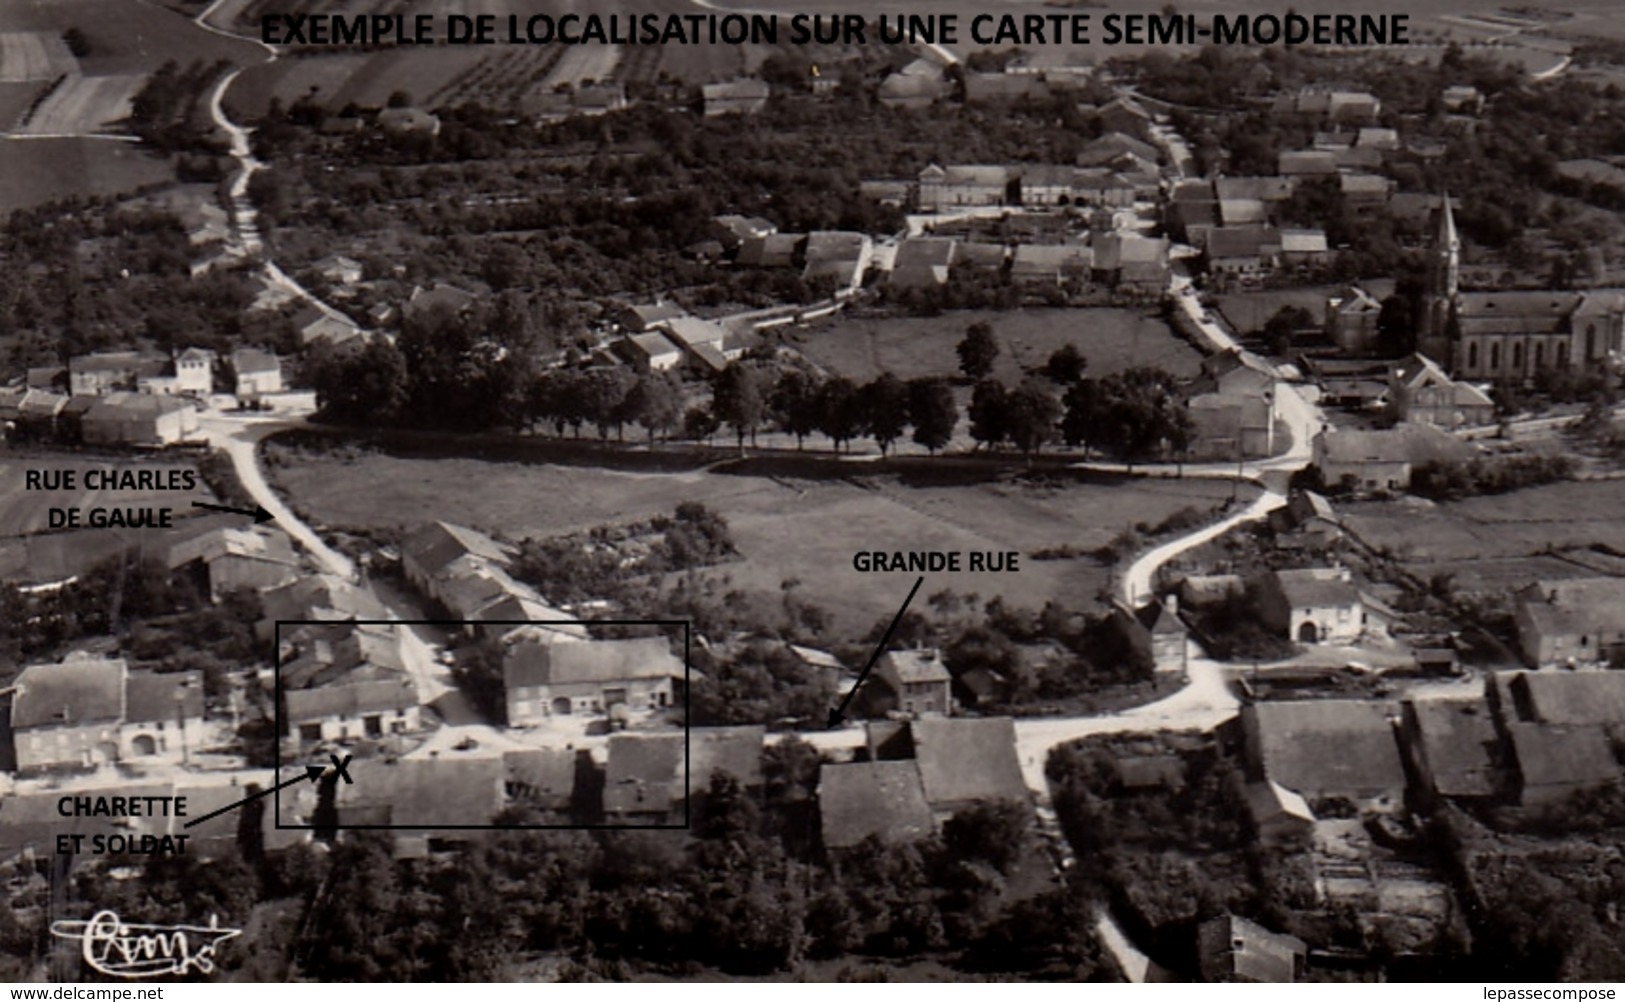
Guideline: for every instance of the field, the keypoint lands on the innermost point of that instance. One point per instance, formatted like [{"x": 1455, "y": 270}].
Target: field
[
  {"x": 1507, "y": 539},
  {"x": 24, "y": 511},
  {"x": 1113, "y": 340},
  {"x": 785, "y": 528},
  {"x": 84, "y": 105},
  {"x": 27, "y": 56},
  {"x": 1247, "y": 312},
  {"x": 41, "y": 170},
  {"x": 127, "y": 37}
]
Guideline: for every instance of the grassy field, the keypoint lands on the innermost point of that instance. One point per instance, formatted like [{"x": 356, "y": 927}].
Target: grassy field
[
  {"x": 41, "y": 170},
  {"x": 1112, "y": 340},
  {"x": 1497, "y": 540},
  {"x": 127, "y": 36},
  {"x": 785, "y": 528},
  {"x": 85, "y": 104}
]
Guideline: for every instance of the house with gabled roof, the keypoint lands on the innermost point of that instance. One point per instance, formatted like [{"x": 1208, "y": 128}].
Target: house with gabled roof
[
  {"x": 315, "y": 324},
  {"x": 1324, "y": 747},
  {"x": 1454, "y": 747},
  {"x": 67, "y": 716},
  {"x": 918, "y": 681},
  {"x": 1581, "y": 698},
  {"x": 228, "y": 559},
  {"x": 1578, "y": 621},
  {"x": 967, "y": 760},
  {"x": 645, "y": 778},
  {"x": 430, "y": 549},
  {"x": 883, "y": 800},
  {"x": 1231, "y": 948},
  {"x": 255, "y": 373},
  {"x": 140, "y": 420},
  {"x": 352, "y": 710},
  {"x": 736, "y": 751},
  {"x": 163, "y": 715},
  {"x": 1280, "y": 817},
  {"x": 922, "y": 262},
  {"x": 1555, "y": 761},
  {"x": 1420, "y": 391},
  {"x": 106, "y": 371},
  {"x": 543, "y": 679},
  {"x": 543, "y": 778},
  {"x": 1314, "y": 605}
]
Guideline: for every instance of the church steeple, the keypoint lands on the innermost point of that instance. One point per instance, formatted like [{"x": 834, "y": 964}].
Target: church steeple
[{"x": 1447, "y": 253}]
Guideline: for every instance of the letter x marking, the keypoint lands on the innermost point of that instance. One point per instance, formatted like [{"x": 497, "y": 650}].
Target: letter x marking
[{"x": 341, "y": 768}]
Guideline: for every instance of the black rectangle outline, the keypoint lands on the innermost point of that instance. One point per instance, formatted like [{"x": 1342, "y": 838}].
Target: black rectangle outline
[{"x": 688, "y": 727}]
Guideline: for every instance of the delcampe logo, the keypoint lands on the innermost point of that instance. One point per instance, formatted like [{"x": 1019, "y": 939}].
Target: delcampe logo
[{"x": 113, "y": 947}]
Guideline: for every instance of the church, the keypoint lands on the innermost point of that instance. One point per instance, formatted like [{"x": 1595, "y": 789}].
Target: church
[{"x": 1509, "y": 336}]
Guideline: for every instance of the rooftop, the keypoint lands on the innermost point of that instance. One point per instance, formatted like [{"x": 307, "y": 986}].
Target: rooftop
[{"x": 883, "y": 799}]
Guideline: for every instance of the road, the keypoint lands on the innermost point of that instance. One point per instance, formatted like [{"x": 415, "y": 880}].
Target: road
[{"x": 239, "y": 437}]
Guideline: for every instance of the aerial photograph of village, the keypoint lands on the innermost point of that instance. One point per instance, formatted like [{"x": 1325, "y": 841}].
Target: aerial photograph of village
[{"x": 868, "y": 505}]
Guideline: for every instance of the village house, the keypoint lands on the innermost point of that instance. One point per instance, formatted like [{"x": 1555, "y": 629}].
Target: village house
[
  {"x": 1563, "y": 729},
  {"x": 67, "y": 716},
  {"x": 648, "y": 352},
  {"x": 322, "y": 597},
  {"x": 163, "y": 716},
  {"x": 1317, "y": 605},
  {"x": 439, "y": 296},
  {"x": 352, "y": 710},
  {"x": 425, "y": 793},
  {"x": 408, "y": 122},
  {"x": 314, "y": 325},
  {"x": 256, "y": 373},
  {"x": 193, "y": 375},
  {"x": 1324, "y": 747},
  {"x": 918, "y": 681},
  {"x": 138, "y": 420},
  {"x": 645, "y": 778},
  {"x": 107, "y": 371},
  {"x": 773, "y": 250},
  {"x": 337, "y": 269},
  {"x": 968, "y": 185},
  {"x": 886, "y": 800},
  {"x": 227, "y": 559},
  {"x": 543, "y": 778},
  {"x": 840, "y": 256},
  {"x": 1233, "y": 949},
  {"x": 1421, "y": 392},
  {"x": 1129, "y": 261},
  {"x": 1351, "y": 319},
  {"x": 966, "y": 761},
  {"x": 1233, "y": 407},
  {"x": 921, "y": 262},
  {"x": 1574, "y": 621},
  {"x": 1169, "y": 638},
  {"x": 1280, "y": 817},
  {"x": 735, "y": 752},
  {"x": 590, "y": 676},
  {"x": 1454, "y": 747},
  {"x": 917, "y": 84},
  {"x": 639, "y": 317},
  {"x": 1050, "y": 264},
  {"x": 708, "y": 346},
  {"x": 742, "y": 96},
  {"x": 1304, "y": 249},
  {"x": 1306, "y": 164},
  {"x": 1382, "y": 460},
  {"x": 1243, "y": 253},
  {"x": 429, "y": 550}
]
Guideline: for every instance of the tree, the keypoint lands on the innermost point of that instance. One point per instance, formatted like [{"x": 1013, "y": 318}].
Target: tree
[
  {"x": 991, "y": 832},
  {"x": 739, "y": 399},
  {"x": 840, "y": 411},
  {"x": 656, "y": 402},
  {"x": 988, "y": 406},
  {"x": 885, "y": 403},
  {"x": 933, "y": 412},
  {"x": 369, "y": 387},
  {"x": 1085, "y": 410},
  {"x": 1066, "y": 365},
  {"x": 795, "y": 403},
  {"x": 1287, "y": 321},
  {"x": 1030, "y": 413},
  {"x": 603, "y": 394},
  {"x": 978, "y": 351},
  {"x": 699, "y": 424}
]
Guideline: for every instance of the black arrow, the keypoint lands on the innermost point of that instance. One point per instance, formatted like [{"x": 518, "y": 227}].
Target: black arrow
[
  {"x": 312, "y": 773},
  {"x": 261, "y": 516},
  {"x": 838, "y": 713}
]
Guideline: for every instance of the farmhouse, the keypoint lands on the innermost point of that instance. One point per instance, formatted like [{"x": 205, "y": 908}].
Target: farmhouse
[
  {"x": 67, "y": 716},
  {"x": 544, "y": 778},
  {"x": 163, "y": 716},
  {"x": 193, "y": 375},
  {"x": 733, "y": 751},
  {"x": 886, "y": 800},
  {"x": 1280, "y": 817},
  {"x": 918, "y": 681},
  {"x": 967, "y": 761},
  {"x": 440, "y": 296},
  {"x": 315, "y": 325},
  {"x": 547, "y": 679},
  {"x": 953, "y": 187},
  {"x": 1581, "y": 698},
  {"x": 352, "y": 710},
  {"x": 741, "y": 96},
  {"x": 640, "y": 317},
  {"x": 1570, "y": 622},
  {"x": 1421, "y": 392},
  {"x": 1351, "y": 319},
  {"x": 645, "y": 778},
  {"x": 1454, "y": 747},
  {"x": 105, "y": 372},
  {"x": 257, "y": 373},
  {"x": 1319, "y": 605},
  {"x": 1231, "y": 948},
  {"x": 838, "y": 255},
  {"x": 922, "y": 262},
  {"x": 1555, "y": 762},
  {"x": 139, "y": 420},
  {"x": 429, "y": 550},
  {"x": 1324, "y": 747},
  {"x": 1382, "y": 460},
  {"x": 228, "y": 559}
]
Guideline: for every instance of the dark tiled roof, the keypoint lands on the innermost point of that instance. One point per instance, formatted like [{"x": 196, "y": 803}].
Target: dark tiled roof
[
  {"x": 645, "y": 773},
  {"x": 966, "y": 759},
  {"x": 428, "y": 793},
  {"x": 859, "y": 799},
  {"x": 151, "y": 697},
  {"x": 734, "y": 750},
  {"x": 73, "y": 692},
  {"x": 590, "y": 661},
  {"x": 1327, "y": 747}
]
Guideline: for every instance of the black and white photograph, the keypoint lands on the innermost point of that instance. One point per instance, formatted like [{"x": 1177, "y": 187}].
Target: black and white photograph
[{"x": 782, "y": 491}]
